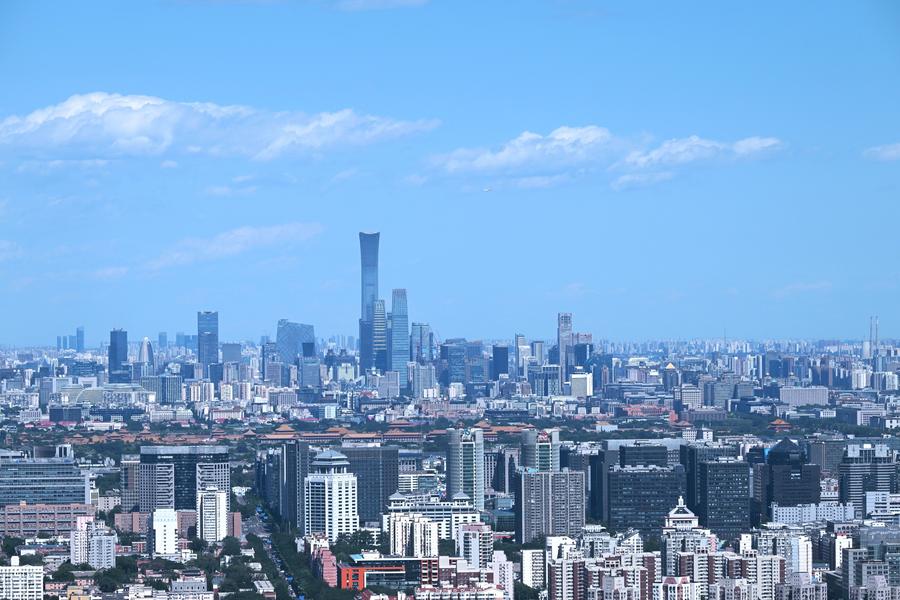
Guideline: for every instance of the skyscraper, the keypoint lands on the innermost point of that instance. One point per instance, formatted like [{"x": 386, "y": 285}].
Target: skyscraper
[
  {"x": 330, "y": 497},
  {"x": 290, "y": 338},
  {"x": 540, "y": 449},
  {"x": 563, "y": 341},
  {"x": 368, "y": 253},
  {"x": 118, "y": 356},
  {"x": 421, "y": 343},
  {"x": 399, "y": 335},
  {"x": 549, "y": 503},
  {"x": 723, "y": 497},
  {"x": 79, "y": 339},
  {"x": 171, "y": 476},
  {"x": 379, "y": 337},
  {"x": 465, "y": 465},
  {"x": 499, "y": 361},
  {"x": 162, "y": 341},
  {"x": 212, "y": 514},
  {"x": 786, "y": 478},
  {"x": 377, "y": 474},
  {"x": 207, "y": 339}
]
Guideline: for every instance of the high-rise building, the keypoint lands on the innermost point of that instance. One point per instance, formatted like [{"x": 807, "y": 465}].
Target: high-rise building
[
  {"x": 56, "y": 480},
  {"x": 93, "y": 543},
  {"x": 412, "y": 535},
  {"x": 22, "y": 582},
  {"x": 162, "y": 341},
  {"x": 171, "y": 476},
  {"x": 290, "y": 338},
  {"x": 207, "y": 339},
  {"x": 421, "y": 343},
  {"x": 118, "y": 357},
  {"x": 79, "y": 339},
  {"x": 163, "y": 532},
  {"x": 691, "y": 456},
  {"x": 145, "y": 355},
  {"x": 549, "y": 503},
  {"x": 368, "y": 253},
  {"x": 377, "y": 474},
  {"x": 540, "y": 449},
  {"x": 212, "y": 514},
  {"x": 380, "y": 337},
  {"x": 866, "y": 468},
  {"x": 499, "y": 361},
  {"x": 475, "y": 543},
  {"x": 563, "y": 343},
  {"x": 640, "y": 497},
  {"x": 330, "y": 497},
  {"x": 129, "y": 467},
  {"x": 723, "y": 498},
  {"x": 231, "y": 352},
  {"x": 465, "y": 465},
  {"x": 399, "y": 335},
  {"x": 786, "y": 479}
]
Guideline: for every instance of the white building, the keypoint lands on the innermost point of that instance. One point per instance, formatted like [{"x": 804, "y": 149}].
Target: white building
[
  {"x": 582, "y": 385},
  {"x": 21, "y": 582},
  {"x": 533, "y": 571},
  {"x": 503, "y": 574},
  {"x": 795, "y": 396},
  {"x": 330, "y": 497},
  {"x": 732, "y": 589},
  {"x": 475, "y": 591},
  {"x": 475, "y": 543},
  {"x": 813, "y": 513},
  {"x": 412, "y": 535},
  {"x": 448, "y": 514},
  {"x": 164, "y": 532},
  {"x": 212, "y": 514},
  {"x": 676, "y": 588},
  {"x": 92, "y": 543}
]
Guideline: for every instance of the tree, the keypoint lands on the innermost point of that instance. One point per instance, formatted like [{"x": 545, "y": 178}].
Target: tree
[
  {"x": 10, "y": 543},
  {"x": 524, "y": 592},
  {"x": 198, "y": 545},
  {"x": 231, "y": 546}
]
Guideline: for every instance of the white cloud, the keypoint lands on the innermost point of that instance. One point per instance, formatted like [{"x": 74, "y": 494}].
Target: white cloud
[
  {"x": 633, "y": 180},
  {"x": 112, "y": 125},
  {"x": 168, "y": 164},
  {"x": 562, "y": 146},
  {"x": 802, "y": 287},
  {"x": 110, "y": 273},
  {"x": 694, "y": 148},
  {"x": 232, "y": 243},
  {"x": 356, "y": 5},
  {"x": 9, "y": 250},
  {"x": 534, "y": 160},
  {"x": 887, "y": 152}
]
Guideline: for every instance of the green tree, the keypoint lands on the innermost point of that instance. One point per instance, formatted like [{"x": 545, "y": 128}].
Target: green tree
[{"x": 231, "y": 546}]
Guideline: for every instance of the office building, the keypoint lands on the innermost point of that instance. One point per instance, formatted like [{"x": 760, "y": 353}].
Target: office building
[
  {"x": 117, "y": 354},
  {"x": 465, "y": 465},
  {"x": 170, "y": 476},
  {"x": 549, "y": 503},
  {"x": 21, "y": 582},
  {"x": 330, "y": 497},
  {"x": 163, "y": 535},
  {"x": 540, "y": 449},
  {"x": 380, "y": 337},
  {"x": 499, "y": 361},
  {"x": 79, "y": 339},
  {"x": 564, "y": 343},
  {"x": 682, "y": 533},
  {"x": 421, "y": 343},
  {"x": 289, "y": 340},
  {"x": 691, "y": 456},
  {"x": 212, "y": 514},
  {"x": 723, "y": 502},
  {"x": 129, "y": 467},
  {"x": 368, "y": 253},
  {"x": 399, "y": 342},
  {"x": 786, "y": 479},
  {"x": 207, "y": 340},
  {"x": 377, "y": 474},
  {"x": 640, "y": 497},
  {"x": 866, "y": 468},
  {"x": 42, "y": 481}
]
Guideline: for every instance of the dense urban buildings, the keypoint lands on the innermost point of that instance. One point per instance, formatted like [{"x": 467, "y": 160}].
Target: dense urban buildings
[{"x": 577, "y": 467}]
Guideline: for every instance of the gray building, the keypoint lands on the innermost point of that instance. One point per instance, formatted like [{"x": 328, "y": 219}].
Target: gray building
[
  {"x": 549, "y": 503},
  {"x": 207, "y": 339},
  {"x": 169, "y": 476},
  {"x": 465, "y": 465},
  {"x": 42, "y": 481}
]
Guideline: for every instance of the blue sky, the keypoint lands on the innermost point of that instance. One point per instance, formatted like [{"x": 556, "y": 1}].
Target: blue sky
[{"x": 662, "y": 170}]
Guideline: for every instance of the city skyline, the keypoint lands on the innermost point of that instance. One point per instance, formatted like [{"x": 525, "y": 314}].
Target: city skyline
[{"x": 657, "y": 173}]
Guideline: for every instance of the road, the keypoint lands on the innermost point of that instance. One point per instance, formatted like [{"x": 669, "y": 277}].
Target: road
[{"x": 258, "y": 525}]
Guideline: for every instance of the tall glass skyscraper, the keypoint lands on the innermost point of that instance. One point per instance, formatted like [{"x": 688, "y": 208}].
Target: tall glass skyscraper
[
  {"x": 399, "y": 335},
  {"x": 380, "y": 356},
  {"x": 368, "y": 253},
  {"x": 118, "y": 356},
  {"x": 207, "y": 339},
  {"x": 421, "y": 343},
  {"x": 290, "y": 338}
]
